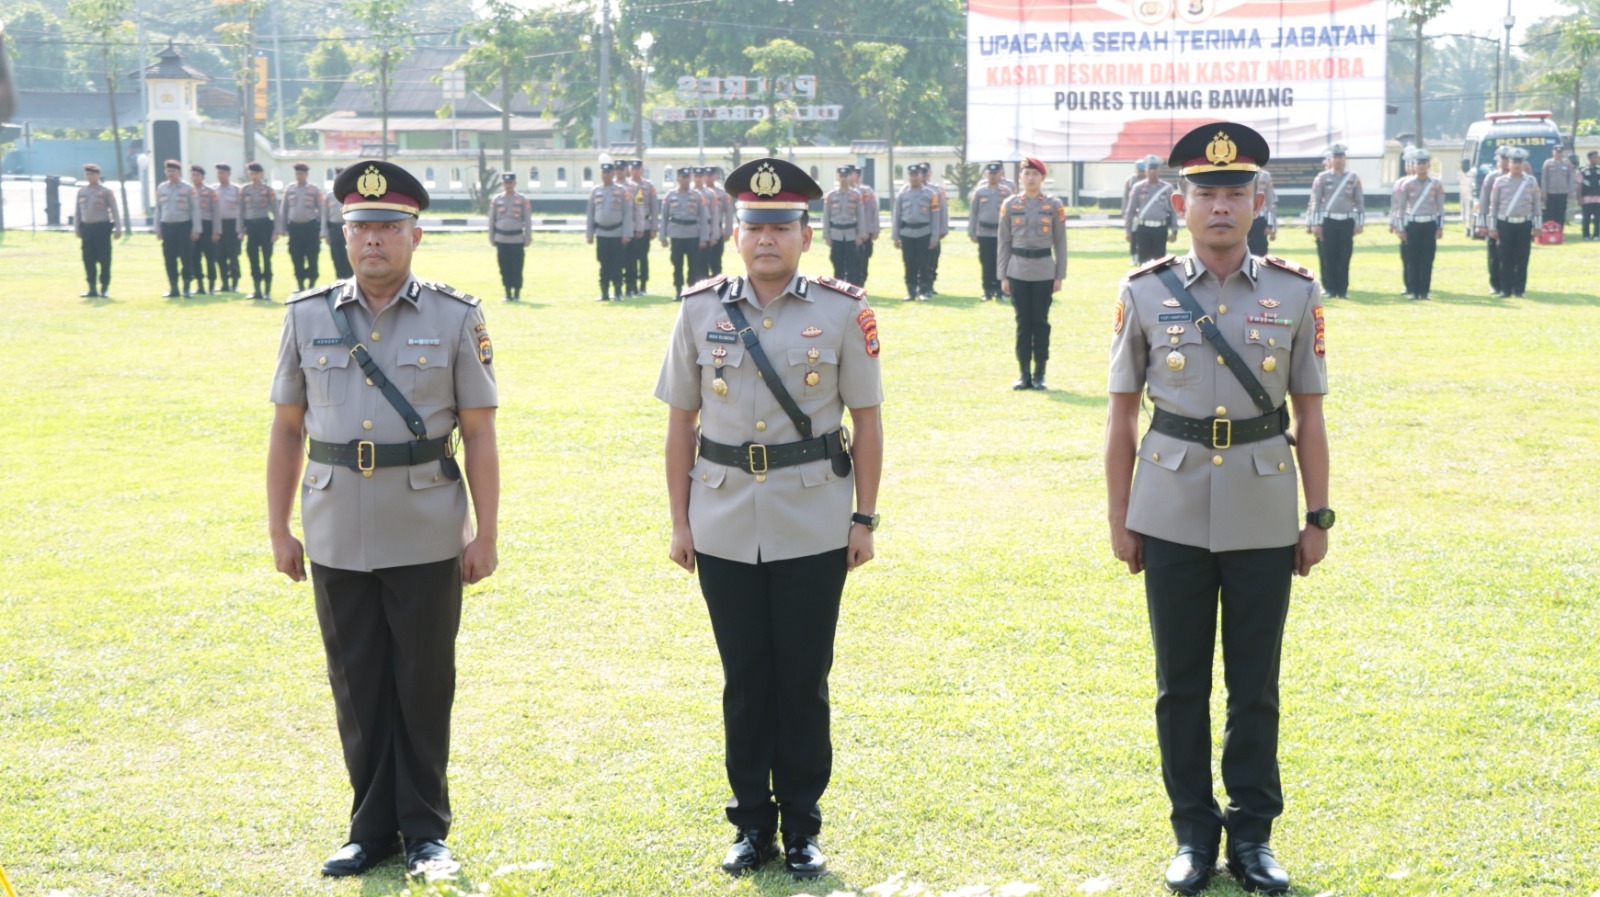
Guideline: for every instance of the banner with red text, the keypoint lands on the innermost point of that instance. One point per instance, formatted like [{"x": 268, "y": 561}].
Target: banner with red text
[{"x": 1097, "y": 80}]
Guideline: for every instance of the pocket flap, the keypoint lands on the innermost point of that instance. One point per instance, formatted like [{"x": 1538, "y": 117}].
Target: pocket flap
[
  {"x": 424, "y": 357},
  {"x": 322, "y": 358},
  {"x": 1167, "y": 457},
  {"x": 815, "y": 473},
  {"x": 825, "y": 355},
  {"x": 1273, "y": 460},
  {"x": 429, "y": 475},
  {"x": 317, "y": 475},
  {"x": 732, "y": 359},
  {"x": 708, "y": 473}
]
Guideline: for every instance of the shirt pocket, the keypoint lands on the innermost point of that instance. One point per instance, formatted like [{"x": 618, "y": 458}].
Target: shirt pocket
[
  {"x": 826, "y": 369},
  {"x": 1265, "y": 349},
  {"x": 708, "y": 474},
  {"x": 1273, "y": 460},
  {"x": 423, "y": 374},
  {"x": 317, "y": 476},
  {"x": 711, "y": 371},
  {"x": 326, "y": 376},
  {"x": 1176, "y": 358}
]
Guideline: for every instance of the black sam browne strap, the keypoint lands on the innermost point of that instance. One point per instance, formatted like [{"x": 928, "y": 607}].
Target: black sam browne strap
[
  {"x": 763, "y": 364},
  {"x": 374, "y": 373},
  {"x": 1208, "y": 329}
]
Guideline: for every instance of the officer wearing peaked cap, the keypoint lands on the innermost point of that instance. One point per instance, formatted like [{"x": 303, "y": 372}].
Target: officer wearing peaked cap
[
  {"x": 983, "y": 225},
  {"x": 1514, "y": 209},
  {"x": 1416, "y": 216},
  {"x": 1147, "y": 219},
  {"x": 1205, "y": 505},
  {"x": 1502, "y": 160},
  {"x": 510, "y": 232},
  {"x": 378, "y": 371},
  {"x": 766, "y": 365},
  {"x": 1336, "y": 214},
  {"x": 95, "y": 223}
]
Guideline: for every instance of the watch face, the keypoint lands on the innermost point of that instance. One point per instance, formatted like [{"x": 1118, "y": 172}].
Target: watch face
[{"x": 1325, "y": 518}]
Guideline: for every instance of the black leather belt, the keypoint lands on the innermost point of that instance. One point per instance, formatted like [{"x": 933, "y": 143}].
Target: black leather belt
[
  {"x": 684, "y": 220},
  {"x": 1031, "y": 253},
  {"x": 602, "y": 228},
  {"x": 501, "y": 230},
  {"x": 358, "y": 454},
  {"x": 848, "y": 225},
  {"x": 753, "y": 457},
  {"x": 905, "y": 229},
  {"x": 1220, "y": 432}
]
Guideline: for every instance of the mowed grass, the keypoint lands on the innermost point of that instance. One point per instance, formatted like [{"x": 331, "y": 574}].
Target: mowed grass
[{"x": 166, "y": 726}]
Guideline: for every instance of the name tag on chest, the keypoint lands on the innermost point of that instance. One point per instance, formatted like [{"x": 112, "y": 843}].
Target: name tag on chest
[
  {"x": 719, "y": 337},
  {"x": 327, "y": 341},
  {"x": 1176, "y": 316}
]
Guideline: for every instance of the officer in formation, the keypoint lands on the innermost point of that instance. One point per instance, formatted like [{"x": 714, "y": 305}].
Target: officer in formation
[
  {"x": 708, "y": 196},
  {"x": 1589, "y": 190},
  {"x": 227, "y": 239},
  {"x": 204, "y": 251},
  {"x": 1514, "y": 209},
  {"x": 916, "y": 231},
  {"x": 1209, "y": 509},
  {"x": 1409, "y": 165},
  {"x": 385, "y": 509},
  {"x": 257, "y": 203},
  {"x": 1336, "y": 213},
  {"x": 1485, "y": 220},
  {"x": 983, "y": 225},
  {"x": 646, "y": 206},
  {"x": 1416, "y": 215},
  {"x": 1265, "y": 228},
  {"x": 609, "y": 226},
  {"x": 510, "y": 232},
  {"x": 725, "y": 220},
  {"x": 333, "y": 224},
  {"x": 685, "y": 222},
  {"x": 844, "y": 227},
  {"x": 1148, "y": 221},
  {"x": 177, "y": 227},
  {"x": 302, "y": 219},
  {"x": 1127, "y": 187},
  {"x": 760, "y": 481},
  {"x": 95, "y": 224},
  {"x": 1558, "y": 178},
  {"x": 936, "y": 247},
  {"x": 869, "y": 202},
  {"x": 1032, "y": 259}
]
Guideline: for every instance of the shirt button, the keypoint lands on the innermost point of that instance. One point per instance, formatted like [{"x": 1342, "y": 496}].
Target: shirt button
[
  {"x": 1222, "y": 309},
  {"x": 767, "y": 323},
  {"x": 1172, "y": 339},
  {"x": 1221, "y": 360},
  {"x": 761, "y": 426},
  {"x": 1281, "y": 465},
  {"x": 436, "y": 478},
  {"x": 369, "y": 382},
  {"x": 704, "y": 477},
  {"x": 422, "y": 360},
  {"x": 1217, "y": 460},
  {"x": 761, "y": 478},
  {"x": 313, "y": 480},
  {"x": 1222, "y": 411},
  {"x": 376, "y": 335},
  {"x": 366, "y": 425},
  {"x": 1156, "y": 456},
  {"x": 1271, "y": 341},
  {"x": 322, "y": 360}
]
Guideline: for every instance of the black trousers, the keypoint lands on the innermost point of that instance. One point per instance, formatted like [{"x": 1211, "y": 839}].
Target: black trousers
[
  {"x": 685, "y": 254},
  {"x": 1182, "y": 588},
  {"x": 390, "y": 639},
  {"x": 511, "y": 257},
  {"x": 1419, "y": 248},
  {"x": 205, "y": 254},
  {"x": 713, "y": 263},
  {"x": 933, "y": 263},
  {"x": 1338, "y": 242},
  {"x": 1257, "y": 240},
  {"x": 1555, "y": 207},
  {"x": 1149, "y": 243},
  {"x": 1405, "y": 265},
  {"x": 1031, "y": 299},
  {"x": 1516, "y": 241},
  {"x": 774, "y": 622},
  {"x": 258, "y": 244},
  {"x": 177, "y": 248},
  {"x": 988, "y": 253},
  {"x": 608, "y": 251},
  {"x": 846, "y": 258},
  {"x": 95, "y": 246},
  {"x": 1492, "y": 247},
  {"x": 339, "y": 251},
  {"x": 304, "y": 249},
  {"x": 636, "y": 272},
  {"x": 228, "y": 251},
  {"x": 866, "y": 262},
  {"x": 1591, "y": 219},
  {"x": 914, "y": 255}
]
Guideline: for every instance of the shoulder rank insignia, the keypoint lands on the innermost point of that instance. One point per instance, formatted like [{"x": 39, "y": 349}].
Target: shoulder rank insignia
[
  {"x": 314, "y": 291},
  {"x": 1154, "y": 265},
  {"x": 708, "y": 283},
  {"x": 849, "y": 289},
  {"x": 1289, "y": 266},
  {"x": 453, "y": 293}
]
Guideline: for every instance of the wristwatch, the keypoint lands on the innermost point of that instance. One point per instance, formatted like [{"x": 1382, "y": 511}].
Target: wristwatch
[
  {"x": 870, "y": 521},
  {"x": 1322, "y": 519}
]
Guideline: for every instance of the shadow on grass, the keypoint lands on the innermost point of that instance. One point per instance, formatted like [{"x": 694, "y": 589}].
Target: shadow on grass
[
  {"x": 775, "y": 882},
  {"x": 1065, "y": 397},
  {"x": 97, "y": 301}
]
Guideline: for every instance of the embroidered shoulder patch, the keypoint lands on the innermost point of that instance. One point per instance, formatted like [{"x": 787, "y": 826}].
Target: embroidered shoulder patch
[
  {"x": 314, "y": 291},
  {"x": 1117, "y": 318},
  {"x": 454, "y": 293},
  {"x": 1289, "y": 266},
  {"x": 845, "y": 287},
  {"x": 868, "y": 322},
  {"x": 706, "y": 284},
  {"x": 1154, "y": 265}
]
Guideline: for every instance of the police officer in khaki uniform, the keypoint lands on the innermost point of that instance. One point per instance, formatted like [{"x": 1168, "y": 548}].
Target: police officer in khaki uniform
[
  {"x": 227, "y": 239},
  {"x": 1589, "y": 192},
  {"x": 646, "y": 206},
  {"x": 95, "y": 224},
  {"x": 177, "y": 227},
  {"x": 257, "y": 204},
  {"x": 916, "y": 232},
  {"x": 1265, "y": 228},
  {"x": 1484, "y": 221},
  {"x": 1416, "y": 215},
  {"x": 1336, "y": 213},
  {"x": 844, "y": 227},
  {"x": 983, "y": 225},
  {"x": 722, "y": 204},
  {"x": 1558, "y": 178},
  {"x": 1514, "y": 210},
  {"x": 333, "y": 225},
  {"x": 869, "y": 202},
  {"x": 510, "y": 232},
  {"x": 1032, "y": 259},
  {"x": 1211, "y": 512},
  {"x": 205, "y": 245},
  {"x": 765, "y": 366},
  {"x": 936, "y": 246},
  {"x": 377, "y": 372},
  {"x": 1147, "y": 220},
  {"x": 685, "y": 222},
  {"x": 610, "y": 219},
  {"x": 302, "y": 219}
]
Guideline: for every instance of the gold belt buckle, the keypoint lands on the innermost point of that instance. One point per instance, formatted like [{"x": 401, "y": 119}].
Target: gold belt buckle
[
  {"x": 751, "y": 450},
  {"x": 366, "y": 457},
  {"x": 1225, "y": 439}
]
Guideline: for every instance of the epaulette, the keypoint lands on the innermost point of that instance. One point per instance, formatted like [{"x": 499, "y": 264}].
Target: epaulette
[
  {"x": 1155, "y": 265},
  {"x": 1289, "y": 266},
  {"x": 706, "y": 284},
  {"x": 849, "y": 289},
  {"x": 453, "y": 293},
  {"x": 313, "y": 291}
]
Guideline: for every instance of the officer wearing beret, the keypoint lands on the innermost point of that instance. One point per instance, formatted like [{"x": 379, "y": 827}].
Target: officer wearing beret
[
  {"x": 1589, "y": 193},
  {"x": 1416, "y": 215},
  {"x": 610, "y": 220},
  {"x": 227, "y": 238},
  {"x": 205, "y": 246},
  {"x": 1483, "y": 220},
  {"x": 378, "y": 372},
  {"x": 983, "y": 225},
  {"x": 1220, "y": 339},
  {"x": 177, "y": 227},
  {"x": 510, "y": 232},
  {"x": 302, "y": 219},
  {"x": 1336, "y": 213},
  {"x": 1032, "y": 259},
  {"x": 257, "y": 204},
  {"x": 1514, "y": 211},
  {"x": 1148, "y": 221},
  {"x": 765, "y": 366},
  {"x": 95, "y": 224}
]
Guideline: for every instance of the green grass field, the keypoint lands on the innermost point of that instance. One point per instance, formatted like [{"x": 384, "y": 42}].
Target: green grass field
[{"x": 166, "y": 726}]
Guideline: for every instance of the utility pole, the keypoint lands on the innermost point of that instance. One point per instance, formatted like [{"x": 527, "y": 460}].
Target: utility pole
[
  {"x": 602, "y": 134},
  {"x": 277, "y": 70},
  {"x": 1505, "y": 70}
]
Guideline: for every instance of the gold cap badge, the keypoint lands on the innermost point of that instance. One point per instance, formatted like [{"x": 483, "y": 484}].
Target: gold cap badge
[
  {"x": 1221, "y": 151},
  {"x": 372, "y": 183},
  {"x": 765, "y": 181}
]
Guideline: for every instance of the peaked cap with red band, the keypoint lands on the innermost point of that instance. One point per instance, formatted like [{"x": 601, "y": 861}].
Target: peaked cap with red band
[
  {"x": 374, "y": 190},
  {"x": 1221, "y": 154},
  {"x": 771, "y": 191}
]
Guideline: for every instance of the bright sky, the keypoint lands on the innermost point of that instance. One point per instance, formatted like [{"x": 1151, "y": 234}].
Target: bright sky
[{"x": 1487, "y": 17}]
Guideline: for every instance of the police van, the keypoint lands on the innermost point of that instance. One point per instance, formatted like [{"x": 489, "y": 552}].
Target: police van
[{"x": 1535, "y": 132}]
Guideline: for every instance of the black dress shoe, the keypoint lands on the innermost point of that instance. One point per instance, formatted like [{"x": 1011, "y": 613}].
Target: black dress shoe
[
  {"x": 89, "y": 295},
  {"x": 170, "y": 294},
  {"x": 1023, "y": 383},
  {"x": 1257, "y": 870},
  {"x": 802, "y": 857},
  {"x": 359, "y": 856},
  {"x": 430, "y": 858},
  {"x": 753, "y": 849},
  {"x": 1190, "y": 870}
]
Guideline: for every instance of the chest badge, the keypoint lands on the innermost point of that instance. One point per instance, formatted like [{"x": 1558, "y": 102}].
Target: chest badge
[
  {"x": 813, "y": 378},
  {"x": 719, "y": 386},
  {"x": 1255, "y": 335},
  {"x": 1269, "y": 364},
  {"x": 812, "y": 354},
  {"x": 1175, "y": 329},
  {"x": 1176, "y": 361},
  {"x": 1269, "y": 303},
  {"x": 812, "y": 331},
  {"x": 725, "y": 326},
  {"x": 1171, "y": 303},
  {"x": 717, "y": 354}
]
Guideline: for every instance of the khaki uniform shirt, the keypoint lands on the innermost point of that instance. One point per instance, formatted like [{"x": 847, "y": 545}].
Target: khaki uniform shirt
[
  {"x": 725, "y": 212},
  {"x": 256, "y": 201},
  {"x": 794, "y": 511},
  {"x": 869, "y": 201},
  {"x": 1516, "y": 196},
  {"x": 96, "y": 205},
  {"x": 610, "y": 212},
  {"x": 1148, "y": 203},
  {"x": 207, "y": 198},
  {"x": 1560, "y": 176},
  {"x": 1336, "y": 194},
  {"x": 301, "y": 203},
  {"x": 1269, "y": 208},
  {"x": 708, "y": 197},
  {"x": 176, "y": 203},
  {"x": 510, "y": 218},
  {"x": 916, "y": 213},
  {"x": 435, "y": 347},
  {"x": 1413, "y": 199},
  {"x": 1589, "y": 182},
  {"x": 983, "y": 210},
  {"x": 646, "y": 204},
  {"x": 1033, "y": 223},
  {"x": 1227, "y": 499},
  {"x": 1486, "y": 193},
  {"x": 332, "y": 215},
  {"x": 684, "y": 216},
  {"x": 1127, "y": 187},
  {"x": 227, "y": 204},
  {"x": 844, "y": 217},
  {"x": 943, "y": 209}
]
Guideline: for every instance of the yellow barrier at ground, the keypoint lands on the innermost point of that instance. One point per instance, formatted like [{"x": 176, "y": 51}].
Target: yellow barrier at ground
[{"x": 5, "y": 884}]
